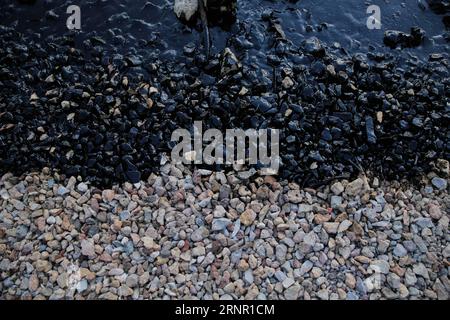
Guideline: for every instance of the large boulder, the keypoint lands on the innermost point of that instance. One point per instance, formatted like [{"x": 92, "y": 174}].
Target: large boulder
[{"x": 185, "y": 9}]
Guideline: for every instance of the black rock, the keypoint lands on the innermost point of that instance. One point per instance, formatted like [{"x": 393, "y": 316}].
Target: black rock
[
  {"x": 418, "y": 35},
  {"x": 261, "y": 104},
  {"x": 314, "y": 47},
  {"x": 134, "y": 60},
  {"x": 326, "y": 135},
  {"x": 133, "y": 176},
  {"x": 393, "y": 38},
  {"x": 370, "y": 130},
  {"x": 439, "y": 6}
]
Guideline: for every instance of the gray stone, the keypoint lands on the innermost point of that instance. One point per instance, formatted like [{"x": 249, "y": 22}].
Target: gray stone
[
  {"x": 393, "y": 280},
  {"x": 421, "y": 270},
  {"x": 21, "y": 231},
  {"x": 82, "y": 285},
  {"x": 337, "y": 188},
  {"x": 124, "y": 215},
  {"x": 287, "y": 282},
  {"x": 280, "y": 275},
  {"x": 389, "y": 294},
  {"x": 304, "y": 208},
  {"x": 331, "y": 227},
  {"x": 306, "y": 267},
  {"x": 400, "y": 251},
  {"x": 199, "y": 234},
  {"x": 379, "y": 266},
  {"x": 82, "y": 187},
  {"x": 446, "y": 252},
  {"x": 323, "y": 294},
  {"x": 87, "y": 248},
  {"x": 344, "y": 225},
  {"x": 351, "y": 295},
  {"x": 424, "y": 222},
  {"x": 354, "y": 187},
  {"x": 421, "y": 244},
  {"x": 441, "y": 292},
  {"x": 280, "y": 252},
  {"x": 361, "y": 286},
  {"x": 132, "y": 280},
  {"x": 335, "y": 201},
  {"x": 220, "y": 224},
  {"x": 409, "y": 245},
  {"x": 51, "y": 220},
  {"x": 439, "y": 183},
  {"x": 198, "y": 251},
  {"x": 434, "y": 211},
  {"x": 310, "y": 238},
  {"x": 116, "y": 272},
  {"x": 248, "y": 276},
  {"x": 62, "y": 191}
]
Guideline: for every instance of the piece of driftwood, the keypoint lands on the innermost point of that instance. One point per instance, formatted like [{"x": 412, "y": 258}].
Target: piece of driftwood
[{"x": 222, "y": 13}]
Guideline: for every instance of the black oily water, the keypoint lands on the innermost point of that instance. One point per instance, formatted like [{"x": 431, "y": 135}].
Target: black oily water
[{"x": 305, "y": 142}]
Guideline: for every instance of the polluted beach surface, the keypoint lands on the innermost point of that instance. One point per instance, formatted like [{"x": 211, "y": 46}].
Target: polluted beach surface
[
  {"x": 286, "y": 57},
  {"x": 92, "y": 200}
]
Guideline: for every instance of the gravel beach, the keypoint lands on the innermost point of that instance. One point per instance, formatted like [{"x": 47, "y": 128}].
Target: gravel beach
[{"x": 210, "y": 235}]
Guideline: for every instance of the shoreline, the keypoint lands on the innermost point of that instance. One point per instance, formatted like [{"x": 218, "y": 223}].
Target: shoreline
[{"x": 221, "y": 238}]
